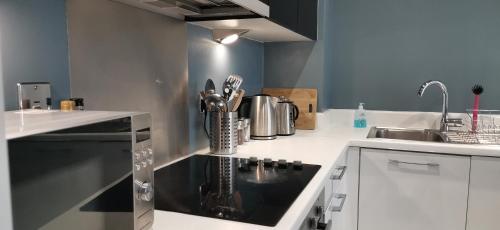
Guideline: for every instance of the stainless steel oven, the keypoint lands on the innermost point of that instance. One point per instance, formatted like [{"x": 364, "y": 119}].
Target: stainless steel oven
[{"x": 93, "y": 176}]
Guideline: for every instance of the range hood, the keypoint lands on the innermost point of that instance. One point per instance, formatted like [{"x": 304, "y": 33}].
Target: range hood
[
  {"x": 252, "y": 15},
  {"x": 197, "y": 10}
]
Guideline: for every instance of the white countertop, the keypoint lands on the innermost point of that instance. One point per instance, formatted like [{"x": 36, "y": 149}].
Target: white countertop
[
  {"x": 323, "y": 146},
  {"x": 28, "y": 122}
]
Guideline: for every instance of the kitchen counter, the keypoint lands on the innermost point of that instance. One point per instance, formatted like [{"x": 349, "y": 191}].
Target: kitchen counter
[
  {"x": 21, "y": 123},
  {"x": 323, "y": 146}
]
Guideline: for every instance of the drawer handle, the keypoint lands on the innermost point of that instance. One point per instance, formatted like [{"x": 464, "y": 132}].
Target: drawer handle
[
  {"x": 342, "y": 197},
  {"x": 413, "y": 163},
  {"x": 340, "y": 175}
]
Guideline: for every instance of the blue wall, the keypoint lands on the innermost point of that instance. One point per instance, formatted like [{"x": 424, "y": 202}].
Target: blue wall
[
  {"x": 299, "y": 64},
  {"x": 379, "y": 52},
  {"x": 208, "y": 59},
  {"x": 34, "y": 46}
]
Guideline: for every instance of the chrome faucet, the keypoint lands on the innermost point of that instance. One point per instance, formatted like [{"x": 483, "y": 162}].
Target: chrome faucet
[{"x": 444, "y": 115}]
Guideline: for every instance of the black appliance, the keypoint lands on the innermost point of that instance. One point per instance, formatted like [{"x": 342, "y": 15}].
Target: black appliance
[
  {"x": 245, "y": 107},
  {"x": 244, "y": 190}
]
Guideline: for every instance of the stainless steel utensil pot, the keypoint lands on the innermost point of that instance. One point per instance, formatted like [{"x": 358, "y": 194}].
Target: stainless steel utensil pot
[{"x": 223, "y": 132}]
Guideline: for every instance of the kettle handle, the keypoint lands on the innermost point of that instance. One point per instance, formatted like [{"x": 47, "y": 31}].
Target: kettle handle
[{"x": 296, "y": 112}]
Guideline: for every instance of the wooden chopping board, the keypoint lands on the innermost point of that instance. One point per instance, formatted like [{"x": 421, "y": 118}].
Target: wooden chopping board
[{"x": 305, "y": 99}]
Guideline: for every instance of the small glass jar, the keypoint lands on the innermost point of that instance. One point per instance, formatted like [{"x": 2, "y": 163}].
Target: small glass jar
[
  {"x": 246, "y": 127},
  {"x": 241, "y": 132}
]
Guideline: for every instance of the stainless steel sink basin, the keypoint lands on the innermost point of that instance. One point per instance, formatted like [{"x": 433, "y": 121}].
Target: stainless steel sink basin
[{"x": 407, "y": 134}]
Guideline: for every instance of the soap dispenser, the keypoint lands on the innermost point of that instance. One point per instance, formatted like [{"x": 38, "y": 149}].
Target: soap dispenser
[{"x": 360, "y": 117}]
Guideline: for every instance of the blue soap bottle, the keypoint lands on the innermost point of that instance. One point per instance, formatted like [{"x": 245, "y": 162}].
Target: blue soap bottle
[{"x": 360, "y": 117}]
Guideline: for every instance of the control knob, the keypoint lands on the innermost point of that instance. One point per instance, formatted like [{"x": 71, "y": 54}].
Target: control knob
[
  {"x": 319, "y": 211},
  {"x": 313, "y": 222},
  {"x": 253, "y": 161},
  {"x": 282, "y": 164},
  {"x": 244, "y": 165},
  {"x": 316, "y": 224},
  {"x": 268, "y": 162},
  {"x": 297, "y": 165},
  {"x": 144, "y": 190},
  {"x": 323, "y": 226}
]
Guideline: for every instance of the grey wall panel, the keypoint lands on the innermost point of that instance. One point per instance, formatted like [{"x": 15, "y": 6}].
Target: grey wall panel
[{"x": 124, "y": 58}]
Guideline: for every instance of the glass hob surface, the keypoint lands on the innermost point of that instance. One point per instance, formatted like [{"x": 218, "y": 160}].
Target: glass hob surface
[{"x": 242, "y": 190}]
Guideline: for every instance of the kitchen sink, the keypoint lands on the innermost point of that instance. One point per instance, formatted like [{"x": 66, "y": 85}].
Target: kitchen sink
[{"x": 429, "y": 135}]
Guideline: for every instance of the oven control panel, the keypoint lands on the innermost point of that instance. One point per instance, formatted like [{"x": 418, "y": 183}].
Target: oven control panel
[
  {"x": 143, "y": 171},
  {"x": 143, "y": 158},
  {"x": 313, "y": 221}
]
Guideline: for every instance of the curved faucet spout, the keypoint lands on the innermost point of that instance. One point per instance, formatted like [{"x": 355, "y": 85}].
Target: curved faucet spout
[{"x": 444, "y": 90}]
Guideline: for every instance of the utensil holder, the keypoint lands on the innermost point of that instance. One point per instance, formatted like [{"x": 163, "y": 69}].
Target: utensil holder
[{"x": 223, "y": 132}]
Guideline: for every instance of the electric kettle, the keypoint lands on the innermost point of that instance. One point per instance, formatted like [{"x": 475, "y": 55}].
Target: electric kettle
[
  {"x": 263, "y": 117},
  {"x": 286, "y": 115}
]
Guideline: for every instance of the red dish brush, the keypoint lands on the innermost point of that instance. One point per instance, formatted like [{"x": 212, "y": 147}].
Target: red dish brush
[{"x": 477, "y": 90}]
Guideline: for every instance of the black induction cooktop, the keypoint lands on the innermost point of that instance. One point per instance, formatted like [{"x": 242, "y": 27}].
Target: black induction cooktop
[{"x": 244, "y": 190}]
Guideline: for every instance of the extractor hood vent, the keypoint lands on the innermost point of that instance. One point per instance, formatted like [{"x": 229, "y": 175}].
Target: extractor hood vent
[
  {"x": 161, "y": 4},
  {"x": 197, "y": 10}
]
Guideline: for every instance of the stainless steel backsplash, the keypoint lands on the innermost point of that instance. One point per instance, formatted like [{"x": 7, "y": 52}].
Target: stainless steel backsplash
[{"x": 124, "y": 58}]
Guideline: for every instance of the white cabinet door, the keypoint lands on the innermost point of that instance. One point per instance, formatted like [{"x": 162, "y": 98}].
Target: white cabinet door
[
  {"x": 484, "y": 194},
  {"x": 412, "y": 191}
]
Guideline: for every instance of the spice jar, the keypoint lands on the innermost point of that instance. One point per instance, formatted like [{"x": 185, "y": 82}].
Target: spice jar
[{"x": 67, "y": 105}]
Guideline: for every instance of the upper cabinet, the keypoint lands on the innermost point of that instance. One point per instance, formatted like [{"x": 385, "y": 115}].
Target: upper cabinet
[
  {"x": 265, "y": 20},
  {"x": 285, "y": 13},
  {"x": 308, "y": 18},
  {"x": 297, "y": 15}
]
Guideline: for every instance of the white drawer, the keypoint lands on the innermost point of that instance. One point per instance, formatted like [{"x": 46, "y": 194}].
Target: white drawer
[
  {"x": 335, "y": 210},
  {"x": 338, "y": 179},
  {"x": 336, "y": 183},
  {"x": 345, "y": 189}
]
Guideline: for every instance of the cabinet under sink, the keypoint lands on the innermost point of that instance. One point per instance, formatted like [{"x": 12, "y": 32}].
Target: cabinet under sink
[{"x": 412, "y": 191}]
